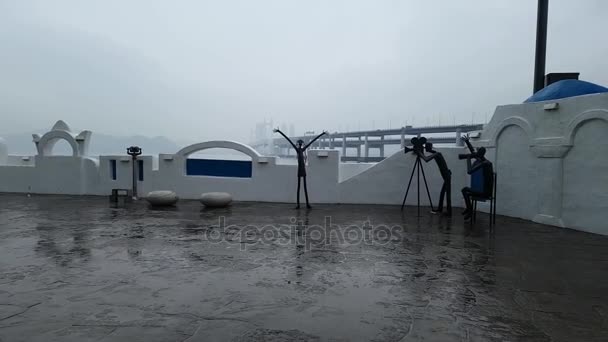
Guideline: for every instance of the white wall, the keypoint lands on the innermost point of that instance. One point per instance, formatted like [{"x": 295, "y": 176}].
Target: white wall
[
  {"x": 536, "y": 150},
  {"x": 585, "y": 200},
  {"x": 552, "y": 168},
  {"x": 386, "y": 182},
  {"x": 516, "y": 174},
  {"x": 20, "y": 160},
  {"x": 269, "y": 182},
  {"x": 52, "y": 175},
  {"x": 350, "y": 169}
]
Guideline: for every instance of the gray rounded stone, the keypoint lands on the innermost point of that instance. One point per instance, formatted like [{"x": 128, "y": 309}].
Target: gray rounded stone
[
  {"x": 162, "y": 198},
  {"x": 216, "y": 199}
]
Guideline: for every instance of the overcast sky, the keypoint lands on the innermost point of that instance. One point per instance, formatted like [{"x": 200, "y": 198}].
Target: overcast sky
[{"x": 199, "y": 70}]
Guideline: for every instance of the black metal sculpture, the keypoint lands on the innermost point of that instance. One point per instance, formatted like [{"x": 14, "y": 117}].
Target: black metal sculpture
[
  {"x": 134, "y": 151},
  {"x": 300, "y": 151},
  {"x": 446, "y": 174},
  {"x": 482, "y": 174},
  {"x": 417, "y": 148}
]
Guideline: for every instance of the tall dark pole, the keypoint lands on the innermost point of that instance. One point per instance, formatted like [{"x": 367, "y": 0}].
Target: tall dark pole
[
  {"x": 134, "y": 151},
  {"x": 541, "y": 44},
  {"x": 134, "y": 172}
]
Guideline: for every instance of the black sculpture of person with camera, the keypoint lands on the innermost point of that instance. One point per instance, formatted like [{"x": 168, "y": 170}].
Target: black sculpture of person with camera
[
  {"x": 300, "y": 151},
  {"x": 482, "y": 175},
  {"x": 446, "y": 174}
]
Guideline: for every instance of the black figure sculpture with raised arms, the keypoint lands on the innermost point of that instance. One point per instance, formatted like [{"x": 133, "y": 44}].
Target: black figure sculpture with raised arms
[{"x": 300, "y": 151}]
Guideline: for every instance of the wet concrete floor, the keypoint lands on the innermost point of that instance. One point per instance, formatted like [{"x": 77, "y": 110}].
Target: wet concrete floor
[{"x": 78, "y": 269}]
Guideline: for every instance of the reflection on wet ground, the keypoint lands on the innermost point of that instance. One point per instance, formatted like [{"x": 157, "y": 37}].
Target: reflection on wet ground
[{"x": 77, "y": 269}]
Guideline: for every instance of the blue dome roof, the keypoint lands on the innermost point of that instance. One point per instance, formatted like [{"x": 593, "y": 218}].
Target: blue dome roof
[{"x": 566, "y": 88}]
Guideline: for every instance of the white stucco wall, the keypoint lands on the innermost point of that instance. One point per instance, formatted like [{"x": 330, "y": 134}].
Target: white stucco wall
[
  {"x": 517, "y": 174},
  {"x": 552, "y": 168},
  {"x": 386, "y": 182},
  {"x": 551, "y": 195},
  {"x": 585, "y": 199},
  {"x": 52, "y": 175},
  {"x": 348, "y": 170},
  {"x": 20, "y": 160}
]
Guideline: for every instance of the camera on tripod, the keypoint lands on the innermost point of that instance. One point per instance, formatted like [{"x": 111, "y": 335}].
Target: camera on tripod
[
  {"x": 417, "y": 145},
  {"x": 418, "y": 149},
  {"x": 467, "y": 156}
]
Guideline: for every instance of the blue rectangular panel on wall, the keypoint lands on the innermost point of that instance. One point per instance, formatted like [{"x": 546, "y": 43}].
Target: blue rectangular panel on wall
[
  {"x": 140, "y": 170},
  {"x": 218, "y": 168},
  {"x": 113, "y": 168}
]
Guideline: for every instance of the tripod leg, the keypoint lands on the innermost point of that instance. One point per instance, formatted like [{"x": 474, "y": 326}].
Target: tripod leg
[
  {"x": 427, "y": 186},
  {"x": 419, "y": 163},
  {"x": 408, "y": 186}
]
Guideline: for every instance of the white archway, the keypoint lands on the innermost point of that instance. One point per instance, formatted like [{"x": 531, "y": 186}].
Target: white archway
[
  {"x": 232, "y": 145},
  {"x": 512, "y": 121},
  {"x": 61, "y": 131},
  {"x": 47, "y": 142},
  {"x": 574, "y": 124}
]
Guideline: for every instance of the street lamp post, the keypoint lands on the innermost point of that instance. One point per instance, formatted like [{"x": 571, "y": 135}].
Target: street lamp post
[{"x": 541, "y": 45}]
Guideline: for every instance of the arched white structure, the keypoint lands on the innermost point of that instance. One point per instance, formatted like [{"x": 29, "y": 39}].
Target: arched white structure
[
  {"x": 232, "y": 145},
  {"x": 61, "y": 130},
  {"x": 47, "y": 142},
  {"x": 60, "y": 125},
  {"x": 577, "y": 121},
  {"x": 512, "y": 121}
]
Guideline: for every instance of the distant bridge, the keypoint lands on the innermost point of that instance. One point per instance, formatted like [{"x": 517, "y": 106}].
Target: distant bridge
[{"x": 363, "y": 141}]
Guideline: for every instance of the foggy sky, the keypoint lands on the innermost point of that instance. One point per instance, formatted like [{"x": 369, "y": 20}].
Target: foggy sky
[{"x": 199, "y": 70}]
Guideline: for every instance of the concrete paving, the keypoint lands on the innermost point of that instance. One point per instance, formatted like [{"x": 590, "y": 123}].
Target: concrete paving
[{"x": 79, "y": 269}]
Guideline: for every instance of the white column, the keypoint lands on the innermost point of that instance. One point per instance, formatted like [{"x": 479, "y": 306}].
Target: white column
[
  {"x": 459, "y": 141},
  {"x": 344, "y": 145},
  {"x": 366, "y": 146}
]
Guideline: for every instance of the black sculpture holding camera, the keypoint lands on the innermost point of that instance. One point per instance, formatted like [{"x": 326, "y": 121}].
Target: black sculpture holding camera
[
  {"x": 300, "y": 151},
  {"x": 482, "y": 175},
  {"x": 134, "y": 151},
  {"x": 417, "y": 148},
  {"x": 446, "y": 174}
]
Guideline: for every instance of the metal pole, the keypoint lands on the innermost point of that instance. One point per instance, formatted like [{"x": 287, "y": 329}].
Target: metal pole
[
  {"x": 419, "y": 163},
  {"x": 541, "y": 45},
  {"x": 134, "y": 151},
  {"x": 134, "y": 177}
]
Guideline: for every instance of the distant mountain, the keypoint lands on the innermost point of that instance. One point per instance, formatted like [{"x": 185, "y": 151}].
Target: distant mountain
[{"x": 21, "y": 144}]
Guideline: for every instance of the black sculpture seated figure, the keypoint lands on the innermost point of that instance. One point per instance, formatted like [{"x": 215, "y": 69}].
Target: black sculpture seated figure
[
  {"x": 300, "y": 151},
  {"x": 482, "y": 174},
  {"x": 446, "y": 174}
]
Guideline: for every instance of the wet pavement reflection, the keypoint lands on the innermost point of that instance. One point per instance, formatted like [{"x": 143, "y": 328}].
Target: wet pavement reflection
[{"x": 80, "y": 269}]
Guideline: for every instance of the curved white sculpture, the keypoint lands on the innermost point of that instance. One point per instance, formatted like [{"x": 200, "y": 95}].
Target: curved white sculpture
[
  {"x": 233, "y": 145},
  {"x": 79, "y": 143},
  {"x": 162, "y": 198},
  {"x": 216, "y": 199}
]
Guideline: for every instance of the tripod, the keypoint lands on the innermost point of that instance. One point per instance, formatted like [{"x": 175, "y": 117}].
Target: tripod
[{"x": 417, "y": 167}]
